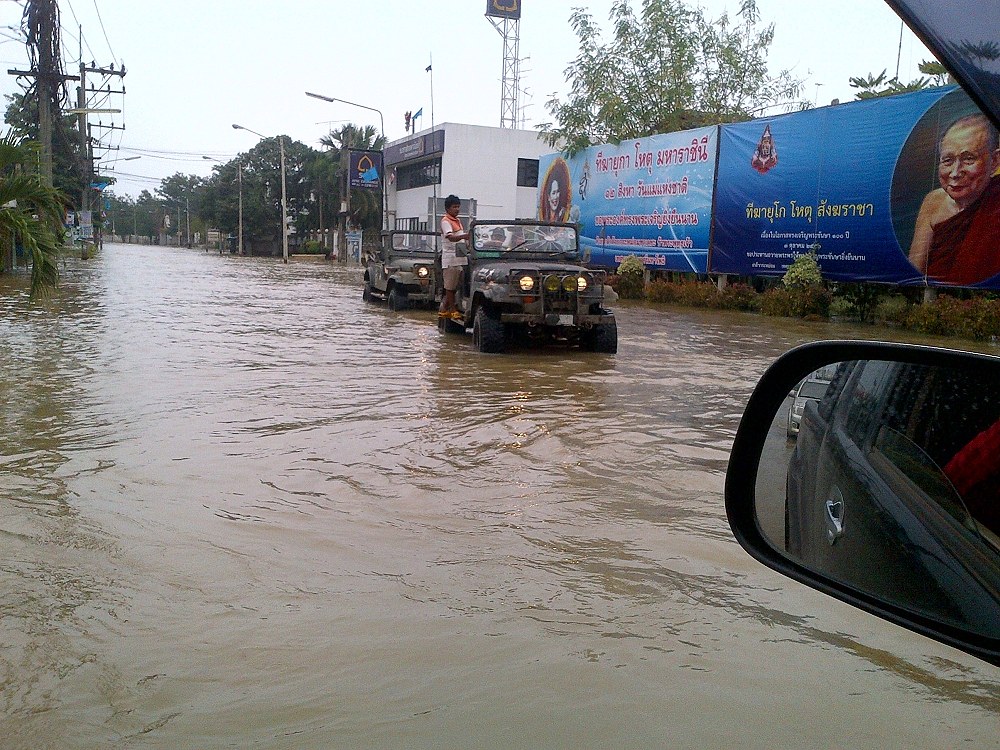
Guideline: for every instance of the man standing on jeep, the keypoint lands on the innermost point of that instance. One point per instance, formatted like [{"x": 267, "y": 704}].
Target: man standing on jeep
[{"x": 452, "y": 264}]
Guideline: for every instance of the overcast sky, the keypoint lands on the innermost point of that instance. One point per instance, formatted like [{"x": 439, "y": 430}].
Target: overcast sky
[{"x": 195, "y": 67}]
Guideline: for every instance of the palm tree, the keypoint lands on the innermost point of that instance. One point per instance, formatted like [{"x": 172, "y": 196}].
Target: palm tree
[{"x": 31, "y": 213}]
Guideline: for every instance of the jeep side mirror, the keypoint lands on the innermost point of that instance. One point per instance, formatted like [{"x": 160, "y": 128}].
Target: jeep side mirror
[
  {"x": 461, "y": 248},
  {"x": 586, "y": 255},
  {"x": 888, "y": 495}
]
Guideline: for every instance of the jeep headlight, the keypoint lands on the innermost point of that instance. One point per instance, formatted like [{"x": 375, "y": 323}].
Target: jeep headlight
[
  {"x": 552, "y": 283},
  {"x": 569, "y": 284},
  {"x": 581, "y": 283},
  {"x": 422, "y": 272},
  {"x": 527, "y": 283}
]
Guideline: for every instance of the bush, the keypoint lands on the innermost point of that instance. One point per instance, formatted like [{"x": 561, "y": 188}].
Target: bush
[
  {"x": 983, "y": 320},
  {"x": 892, "y": 311},
  {"x": 977, "y": 318},
  {"x": 739, "y": 297},
  {"x": 796, "y": 302},
  {"x": 777, "y": 302},
  {"x": 841, "y": 308},
  {"x": 861, "y": 299},
  {"x": 803, "y": 272},
  {"x": 631, "y": 277},
  {"x": 698, "y": 294},
  {"x": 661, "y": 290},
  {"x": 312, "y": 247}
]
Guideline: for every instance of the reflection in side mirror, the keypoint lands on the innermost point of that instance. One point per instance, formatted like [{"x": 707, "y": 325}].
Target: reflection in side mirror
[{"x": 879, "y": 479}]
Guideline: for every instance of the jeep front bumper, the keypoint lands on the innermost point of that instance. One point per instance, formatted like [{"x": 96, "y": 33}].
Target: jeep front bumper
[{"x": 557, "y": 319}]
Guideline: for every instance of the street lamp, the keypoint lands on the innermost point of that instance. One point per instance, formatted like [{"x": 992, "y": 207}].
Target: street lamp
[
  {"x": 239, "y": 164},
  {"x": 284, "y": 201},
  {"x": 382, "y": 130},
  {"x": 353, "y": 104}
]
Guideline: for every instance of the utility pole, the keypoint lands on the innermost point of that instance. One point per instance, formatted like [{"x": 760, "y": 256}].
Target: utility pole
[
  {"x": 240, "y": 230},
  {"x": 345, "y": 204},
  {"x": 84, "y": 125},
  {"x": 41, "y": 20}
]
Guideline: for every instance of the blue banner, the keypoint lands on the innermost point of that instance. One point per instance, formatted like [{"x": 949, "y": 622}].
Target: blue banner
[
  {"x": 649, "y": 197},
  {"x": 896, "y": 190}
]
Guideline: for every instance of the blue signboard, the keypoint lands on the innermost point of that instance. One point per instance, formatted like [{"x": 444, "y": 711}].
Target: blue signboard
[
  {"x": 895, "y": 190},
  {"x": 649, "y": 197},
  {"x": 504, "y": 8},
  {"x": 366, "y": 169}
]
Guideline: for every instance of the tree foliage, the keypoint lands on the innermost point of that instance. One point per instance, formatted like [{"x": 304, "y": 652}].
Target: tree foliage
[
  {"x": 667, "y": 68},
  {"x": 31, "y": 213},
  {"x": 872, "y": 86},
  {"x": 67, "y": 152},
  {"x": 366, "y": 209}
]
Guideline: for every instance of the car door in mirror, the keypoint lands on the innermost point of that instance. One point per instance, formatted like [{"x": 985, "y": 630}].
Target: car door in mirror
[{"x": 884, "y": 484}]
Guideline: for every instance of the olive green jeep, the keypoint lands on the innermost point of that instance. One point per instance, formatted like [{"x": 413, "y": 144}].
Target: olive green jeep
[
  {"x": 406, "y": 272},
  {"x": 525, "y": 280}
]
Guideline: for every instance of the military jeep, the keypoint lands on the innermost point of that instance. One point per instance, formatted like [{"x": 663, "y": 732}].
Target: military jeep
[
  {"x": 406, "y": 271},
  {"x": 525, "y": 281}
]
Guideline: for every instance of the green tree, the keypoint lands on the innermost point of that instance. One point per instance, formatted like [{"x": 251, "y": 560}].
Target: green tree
[
  {"x": 872, "y": 86},
  {"x": 148, "y": 214},
  {"x": 67, "y": 160},
  {"x": 666, "y": 69},
  {"x": 180, "y": 194},
  {"x": 31, "y": 213},
  {"x": 219, "y": 197}
]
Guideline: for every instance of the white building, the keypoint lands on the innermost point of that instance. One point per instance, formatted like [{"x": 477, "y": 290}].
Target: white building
[{"x": 493, "y": 170}]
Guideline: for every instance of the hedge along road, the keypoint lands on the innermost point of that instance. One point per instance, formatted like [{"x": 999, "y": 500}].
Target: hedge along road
[{"x": 240, "y": 507}]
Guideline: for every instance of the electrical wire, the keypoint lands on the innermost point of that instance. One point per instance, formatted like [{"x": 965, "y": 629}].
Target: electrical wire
[{"x": 104, "y": 31}]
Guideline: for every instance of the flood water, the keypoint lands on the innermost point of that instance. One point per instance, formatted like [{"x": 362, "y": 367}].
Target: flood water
[{"x": 239, "y": 507}]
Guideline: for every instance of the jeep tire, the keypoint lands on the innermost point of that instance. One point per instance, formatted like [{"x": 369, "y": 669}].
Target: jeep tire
[
  {"x": 601, "y": 338},
  {"x": 366, "y": 295},
  {"x": 487, "y": 332},
  {"x": 397, "y": 300}
]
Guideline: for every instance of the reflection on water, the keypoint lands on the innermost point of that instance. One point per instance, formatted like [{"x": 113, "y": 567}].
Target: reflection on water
[{"x": 241, "y": 507}]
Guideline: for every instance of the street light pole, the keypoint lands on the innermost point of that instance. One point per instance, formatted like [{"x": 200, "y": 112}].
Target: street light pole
[
  {"x": 284, "y": 203},
  {"x": 381, "y": 121}
]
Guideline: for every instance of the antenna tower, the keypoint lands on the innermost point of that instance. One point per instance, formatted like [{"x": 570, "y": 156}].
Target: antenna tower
[{"x": 505, "y": 15}]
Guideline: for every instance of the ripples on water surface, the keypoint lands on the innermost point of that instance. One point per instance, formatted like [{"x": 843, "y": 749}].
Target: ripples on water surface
[{"x": 241, "y": 508}]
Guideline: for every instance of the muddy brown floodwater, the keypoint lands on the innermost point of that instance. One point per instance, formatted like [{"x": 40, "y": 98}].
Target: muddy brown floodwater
[{"x": 241, "y": 508}]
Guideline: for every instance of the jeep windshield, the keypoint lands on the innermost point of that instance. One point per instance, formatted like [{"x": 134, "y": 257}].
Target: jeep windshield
[
  {"x": 413, "y": 244},
  {"x": 521, "y": 239}
]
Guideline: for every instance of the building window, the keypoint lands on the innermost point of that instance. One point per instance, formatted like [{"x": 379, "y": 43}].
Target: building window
[
  {"x": 527, "y": 172},
  {"x": 420, "y": 174}
]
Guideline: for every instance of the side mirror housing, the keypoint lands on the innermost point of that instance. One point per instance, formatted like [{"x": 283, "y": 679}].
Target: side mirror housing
[{"x": 886, "y": 495}]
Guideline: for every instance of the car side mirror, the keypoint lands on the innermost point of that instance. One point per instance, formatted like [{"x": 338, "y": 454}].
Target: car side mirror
[
  {"x": 461, "y": 248},
  {"x": 887, "y": 496},
  {"x": 585, "y": 258}
]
